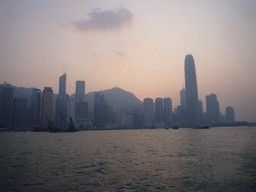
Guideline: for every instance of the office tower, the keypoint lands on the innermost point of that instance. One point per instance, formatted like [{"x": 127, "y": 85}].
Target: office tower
[
  {"x": 230, "y": 114},
  {"x": 19, "y": 112},
  {"x": 200, "y": 110},
  {"x": 35, "y": 111},
  {"x": 168, "y": 111},
  {"x": 99, "y": 109},
  {"x": 47, "y": 104},
  {"x": 138, "y": 117},
  {"x": 71, "y": 108},
  {"x": 62, "y": 84},
  {"x": 183, "y": 97},
  {"x": 213, "y": 109},
  {"x": 148, "y": 108},
  {"x": 61, "y": 104},
  {"x": 6, "y": 96},
  {"x": 181, "y": 116},
  {"x": 80, "y": 90},
  {"x": 191, "y": 92},
  {"x": 159, "y": 108},
  {"x": 81, "y": 110}
]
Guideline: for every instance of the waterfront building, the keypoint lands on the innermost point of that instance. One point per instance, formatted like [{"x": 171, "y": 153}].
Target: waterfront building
[
  {"x": 6, "y": 104},
  {"x": 183, "y": 97},
  {"x": 19, "y": 112},
  {"x": 191, "y": 92},
  {"x": 168, "y": 112},
  {"x": 35, "y": 110},
  {"x": 99, "y": 109},
  {"x": 81, "y": 110},
  {"x": 71, "y": 107},
  {"x": 230, "y": 114},
  {"x": 159, "y": 108},
  {"x": 47, "y": 106},
  {"x": 213, "y": 109},
  {"x": 200, "y": 110},
  {"x": 148, "y": 108},
  {"x": 80, "y": 90},
  {"x": 61, "y": 104}
]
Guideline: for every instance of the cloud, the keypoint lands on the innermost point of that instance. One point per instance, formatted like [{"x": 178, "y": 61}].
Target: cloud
[
  {"x": 121, "y": 54},
  {"x": 104, "y": 20}
]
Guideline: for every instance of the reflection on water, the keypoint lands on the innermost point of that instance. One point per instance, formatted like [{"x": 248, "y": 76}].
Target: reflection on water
[{"x": 216, "y": 159}]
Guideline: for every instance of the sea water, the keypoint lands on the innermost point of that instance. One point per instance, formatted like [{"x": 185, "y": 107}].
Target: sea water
[{"x": 215, "y": 159}]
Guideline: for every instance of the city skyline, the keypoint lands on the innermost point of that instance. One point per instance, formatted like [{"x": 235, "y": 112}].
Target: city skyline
[{"x": 142, "y": 53}]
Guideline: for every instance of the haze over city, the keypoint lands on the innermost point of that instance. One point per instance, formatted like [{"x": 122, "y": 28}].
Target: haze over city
[{"x": 139, "y": 46}]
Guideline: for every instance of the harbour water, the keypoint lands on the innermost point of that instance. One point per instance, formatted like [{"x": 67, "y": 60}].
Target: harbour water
[{"x": 215, "y": 159}]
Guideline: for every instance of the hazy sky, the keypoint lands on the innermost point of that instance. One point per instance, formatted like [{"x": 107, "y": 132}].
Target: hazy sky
[{"x": 137, "y": 45}]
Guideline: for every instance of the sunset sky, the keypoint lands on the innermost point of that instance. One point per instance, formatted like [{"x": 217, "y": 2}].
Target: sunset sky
[{"x": 137, "y": 45}]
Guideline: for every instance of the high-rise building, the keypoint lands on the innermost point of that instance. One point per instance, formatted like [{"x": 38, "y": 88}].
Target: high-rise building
[
  {"x": 213, "y": 109},
  {"x": 19, "y": 112},
  {"x": 47, "y": 105},
  {"x": 80, "y": 90},
  {"x": 35, "y": 111},
  {"x": 168, "y": 111},
  {"x": 61, "y": 104},
  {"x": 230, "y": 114},
  {"x": 148, "y": 108},
  {"x": 81, "y": 110},
  {"x": 6, "y": 104},
  {"x": 191, "y": 92},
  {"x": 200, "y": 110},
  {"x": 62, "y": 84},
  {"x": 159, "y": 109},
  {"x": 183, "y": 97},
  {"x": 99, "y": 109}
]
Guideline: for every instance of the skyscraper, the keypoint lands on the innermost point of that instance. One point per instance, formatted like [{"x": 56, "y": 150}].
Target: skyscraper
[
  {"x": 213, "y": 108},
  {"x": 99, "y": 109},
  {"x": 159, "y": 109},
  {"x": 183, "y": 97},
  {"x": 19, "y": 112},
  {"x": 230, "y": 114},
  {"x": 168, "y": 111},
  {"x": 35, "y": 111},
  {"x": 191, "y": 92},
  {"x": 80, "y": 90},
  {"x": 61, "y": 104},
  {"x": 148, "y": 108},
  {"x": 62, "y": 84},
  {"x": 47, "y": 104},
  {"x": 6, "y": 97}
]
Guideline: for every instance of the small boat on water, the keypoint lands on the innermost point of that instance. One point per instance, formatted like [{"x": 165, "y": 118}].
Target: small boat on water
[
  {"x": 202, "y": 127},
  {"x": 175, "y": 127},
  {"x": 53, "y": 129}
]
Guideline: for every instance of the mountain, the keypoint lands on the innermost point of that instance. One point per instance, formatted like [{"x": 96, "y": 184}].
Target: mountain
[{"x": 115, "y": 97}]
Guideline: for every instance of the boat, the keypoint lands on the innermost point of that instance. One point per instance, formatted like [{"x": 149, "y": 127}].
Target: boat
[
  {"x": 175, "y": 127},
  {"x": 202, "y": 127},
  {"x": 71, "y": 126}
]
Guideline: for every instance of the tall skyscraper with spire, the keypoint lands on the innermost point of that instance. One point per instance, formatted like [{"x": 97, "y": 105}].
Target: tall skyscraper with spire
[
  {"x": 191, "y": 92},
  {"x": 61, "y": 104}
]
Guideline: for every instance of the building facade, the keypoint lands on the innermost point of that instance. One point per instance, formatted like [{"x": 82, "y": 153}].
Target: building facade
[
  {"x": 61, "y": 104},
  {"x": 99, "y": 109},
  {"x": 80, "y": 90},
  {"x": 213, "y": 108},
  {"x": 168, "y": 112},
  {"x": 6, "y": 104},
  {"x": 148, "y": 108},
  {"x": 47, "y": 106},
  {"x": 35, "y": 111},
  {"x": 230, "y": 114},
  {"x": 191, "y": 92}
]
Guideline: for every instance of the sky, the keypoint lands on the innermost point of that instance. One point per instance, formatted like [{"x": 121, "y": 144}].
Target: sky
[{"x": 136, "y": 45}]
